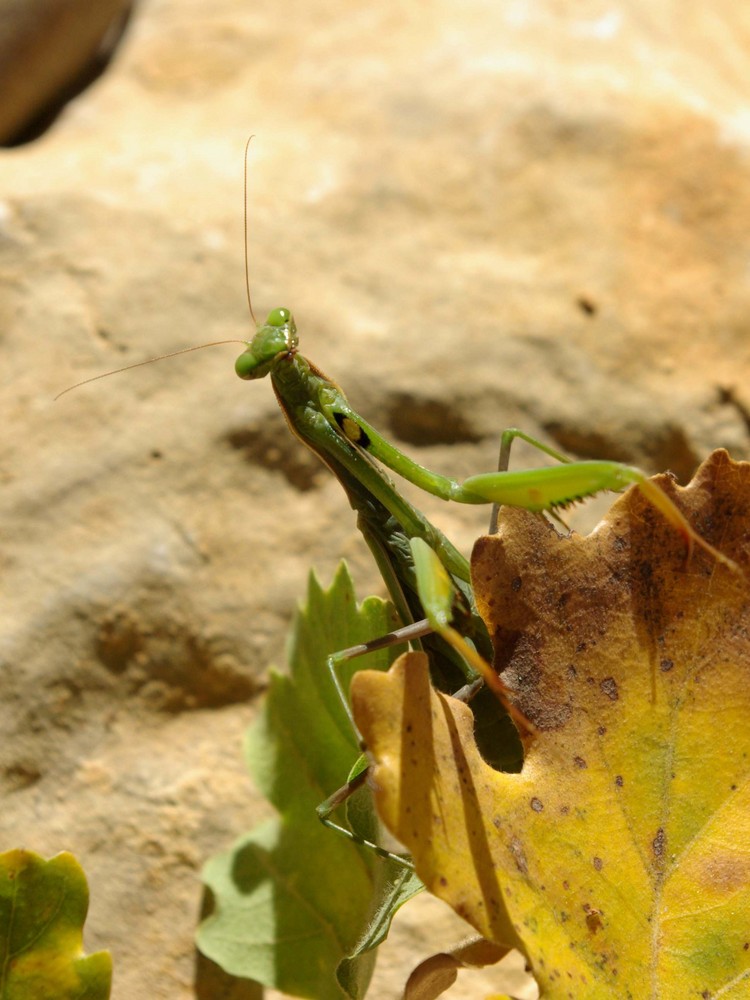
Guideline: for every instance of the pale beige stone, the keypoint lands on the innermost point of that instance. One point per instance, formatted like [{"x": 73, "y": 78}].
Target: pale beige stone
[{"x": 482, "y": 214}]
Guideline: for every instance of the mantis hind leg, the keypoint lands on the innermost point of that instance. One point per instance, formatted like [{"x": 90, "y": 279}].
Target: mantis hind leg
[
  {"x": 358, "y": 776},
  {"x": 438, "y": 594},
  {"x": 356, "y": 780},
  {"x": 507, "y": 438},
  {"x": 363, "y": 833}
]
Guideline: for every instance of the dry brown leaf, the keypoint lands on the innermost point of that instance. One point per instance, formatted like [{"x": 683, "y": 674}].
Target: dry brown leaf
[{"x": 436, "y": 974}]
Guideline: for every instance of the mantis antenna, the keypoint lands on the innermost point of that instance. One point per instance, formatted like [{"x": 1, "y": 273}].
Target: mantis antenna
[
  {"x": 150, "y": 361},
  {"x": 247, "y": 270},
  {"x": 199, "y": 347}
]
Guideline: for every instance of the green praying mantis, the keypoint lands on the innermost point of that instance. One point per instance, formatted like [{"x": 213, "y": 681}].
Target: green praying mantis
[
  {"x": 319, "y": 413},
  {"x": 426, "y": 576}
]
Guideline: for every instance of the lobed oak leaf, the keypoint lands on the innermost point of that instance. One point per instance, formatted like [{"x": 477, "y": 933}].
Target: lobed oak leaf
[
  {"x": 618, "y": 859},
  {"x": 43, "y": 907}
]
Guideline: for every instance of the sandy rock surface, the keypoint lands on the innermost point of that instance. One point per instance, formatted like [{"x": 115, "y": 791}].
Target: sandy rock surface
[{"x": 481, "y": 214}]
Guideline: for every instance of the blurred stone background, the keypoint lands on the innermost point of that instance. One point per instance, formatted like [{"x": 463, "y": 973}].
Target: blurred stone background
[{"x": 525, "y": 212}]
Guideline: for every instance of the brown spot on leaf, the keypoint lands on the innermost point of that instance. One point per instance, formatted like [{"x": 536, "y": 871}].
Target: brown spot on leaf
[
  {"x": 593, "y": 918},
  {"x": 659, "y": 843},
  {"x": 536, "y": 804},
  {"x": 609, "y": 687},
  {"x": 519, "y": 856},
  {"x": 724, "y": 873}
]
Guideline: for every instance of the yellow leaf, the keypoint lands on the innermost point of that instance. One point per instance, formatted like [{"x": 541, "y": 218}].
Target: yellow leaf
[{"x": 618, "y": 860}]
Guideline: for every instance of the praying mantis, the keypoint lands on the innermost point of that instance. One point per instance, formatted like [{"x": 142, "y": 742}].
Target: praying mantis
[{"x": 319, "y": 414}]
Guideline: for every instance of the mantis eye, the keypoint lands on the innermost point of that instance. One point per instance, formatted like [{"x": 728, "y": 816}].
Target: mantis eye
[
  {"x": 246, "y": 365},
  {"x": 278, "y": 317}
]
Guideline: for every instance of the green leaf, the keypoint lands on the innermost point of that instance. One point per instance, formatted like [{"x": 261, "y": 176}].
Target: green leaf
[
  {"x": 43, "y": 906},
  {"x": 292, "y": 899},
  {"x": 399, "y": 886}
]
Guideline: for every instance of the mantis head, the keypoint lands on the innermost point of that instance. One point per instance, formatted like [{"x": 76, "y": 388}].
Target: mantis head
[{"x": 278, "y": 335}]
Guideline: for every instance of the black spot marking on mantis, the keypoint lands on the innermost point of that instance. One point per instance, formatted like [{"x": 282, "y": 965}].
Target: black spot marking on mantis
[{"x": 352, "y": 430}]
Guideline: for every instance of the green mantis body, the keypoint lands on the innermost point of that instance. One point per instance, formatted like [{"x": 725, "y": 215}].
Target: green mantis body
[
  {"x": 319, "y": 413},
  {"x": 401, "y": 538}
]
